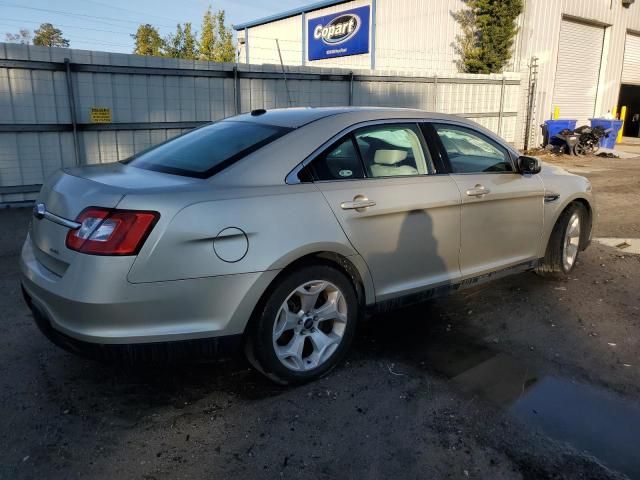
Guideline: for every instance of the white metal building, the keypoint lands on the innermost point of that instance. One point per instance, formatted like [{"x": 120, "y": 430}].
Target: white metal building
[{"x": 588, "y": 51}]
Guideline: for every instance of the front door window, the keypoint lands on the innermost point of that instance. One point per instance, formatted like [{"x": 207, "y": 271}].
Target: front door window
[{"x": 472, "y": 152}]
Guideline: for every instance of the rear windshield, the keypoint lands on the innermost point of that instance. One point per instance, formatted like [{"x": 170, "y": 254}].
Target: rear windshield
[{"x": 206, "y": 150}]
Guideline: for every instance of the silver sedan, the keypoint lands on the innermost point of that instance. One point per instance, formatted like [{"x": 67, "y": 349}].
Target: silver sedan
[{"x": 277, "y": 231}]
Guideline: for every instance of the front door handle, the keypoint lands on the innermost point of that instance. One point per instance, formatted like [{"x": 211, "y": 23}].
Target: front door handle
[
  {"x": 360, "y": 203},
  {"x": 478, "y": 191}
]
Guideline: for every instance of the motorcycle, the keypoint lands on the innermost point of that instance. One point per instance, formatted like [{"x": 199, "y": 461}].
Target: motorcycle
[
  {"x": 589, "y": 140},
  {"x": 583, "y": 140}
]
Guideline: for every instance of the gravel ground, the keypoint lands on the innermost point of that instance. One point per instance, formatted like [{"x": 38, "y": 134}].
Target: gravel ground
[{"x": 428, "y": 392}]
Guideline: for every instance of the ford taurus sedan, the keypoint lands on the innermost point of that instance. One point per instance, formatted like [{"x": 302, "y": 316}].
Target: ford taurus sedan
[{"x": 278, "y": 230}]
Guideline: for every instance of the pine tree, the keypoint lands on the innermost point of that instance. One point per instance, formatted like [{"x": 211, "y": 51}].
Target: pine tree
[
  {"x": 148, "y": 41},
  {"x": 49, "y": 36},
  {"x": 488, "y": 31}
]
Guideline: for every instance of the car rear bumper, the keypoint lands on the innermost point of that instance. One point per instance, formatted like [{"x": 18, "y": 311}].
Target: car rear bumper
[
  {"x": 156, "y": 352},
  {"x": 94, "y": 302}
]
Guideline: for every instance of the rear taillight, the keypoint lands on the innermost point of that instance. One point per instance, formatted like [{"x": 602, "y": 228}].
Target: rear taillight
[{"x": 111, "y": 232}]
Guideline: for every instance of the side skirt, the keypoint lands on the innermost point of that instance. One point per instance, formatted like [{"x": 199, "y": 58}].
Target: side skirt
[{"x": 448, "y": 289}]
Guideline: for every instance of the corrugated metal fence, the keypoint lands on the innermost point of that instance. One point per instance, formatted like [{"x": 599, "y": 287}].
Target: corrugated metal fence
[{"x": 46, "y": 95}]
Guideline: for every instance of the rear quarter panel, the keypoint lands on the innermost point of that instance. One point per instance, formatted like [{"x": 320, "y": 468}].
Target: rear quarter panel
[{"x": 279, "y": 224}]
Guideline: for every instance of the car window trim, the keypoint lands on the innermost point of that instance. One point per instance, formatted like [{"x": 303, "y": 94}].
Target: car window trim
[
  {"x": 445, "y": 156},
  {"x": 293, "y": 179},
  {"x": 440, "y": 160},
  {"x": 356, "y": 147}
]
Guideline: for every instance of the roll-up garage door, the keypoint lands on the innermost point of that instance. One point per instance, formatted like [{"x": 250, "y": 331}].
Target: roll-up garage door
[
  {"x": 578, "y": 72},
  {"x": 631, "y": 67}
]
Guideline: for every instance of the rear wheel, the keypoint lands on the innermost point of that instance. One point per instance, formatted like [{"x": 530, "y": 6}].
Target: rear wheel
[
  {"x": 305, "y": 326},
  {"x": 564, "y": 244},
  {"x": 580, "y": 149}
]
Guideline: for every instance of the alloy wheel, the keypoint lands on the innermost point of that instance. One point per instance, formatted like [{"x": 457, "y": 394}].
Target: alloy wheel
[
  {"x": 310, "y": 325},
  {"x": 571, "y": 242}
]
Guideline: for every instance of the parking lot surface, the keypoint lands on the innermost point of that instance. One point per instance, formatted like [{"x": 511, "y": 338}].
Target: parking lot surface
[{"x": 520, "y": 378}]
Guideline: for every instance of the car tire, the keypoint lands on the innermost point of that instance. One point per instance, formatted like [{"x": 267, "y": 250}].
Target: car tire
[
  {"x": 292, "y": 338},
  {"x": 565, "y": 243}
]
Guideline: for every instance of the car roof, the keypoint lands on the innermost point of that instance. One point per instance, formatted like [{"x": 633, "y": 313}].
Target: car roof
[{"x": 300, "y": 116}]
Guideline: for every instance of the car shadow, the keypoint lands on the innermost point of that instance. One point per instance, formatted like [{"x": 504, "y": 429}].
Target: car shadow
[{"x": 413, "y": 264}]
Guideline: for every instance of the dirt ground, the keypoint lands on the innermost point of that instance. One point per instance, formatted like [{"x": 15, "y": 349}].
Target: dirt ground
[
  {"x": 523, "y": 378},
  {"x": 616, "y": 184}
]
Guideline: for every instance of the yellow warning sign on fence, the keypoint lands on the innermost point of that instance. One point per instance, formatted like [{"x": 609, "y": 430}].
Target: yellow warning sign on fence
[{"x": 100, "y": 115}]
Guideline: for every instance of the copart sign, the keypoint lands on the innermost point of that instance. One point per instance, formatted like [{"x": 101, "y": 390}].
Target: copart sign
[{"x": 339, "y": 34}]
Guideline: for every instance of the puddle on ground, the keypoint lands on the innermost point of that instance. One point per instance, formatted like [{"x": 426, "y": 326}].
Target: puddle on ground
[{"x": 593, "y": 420}]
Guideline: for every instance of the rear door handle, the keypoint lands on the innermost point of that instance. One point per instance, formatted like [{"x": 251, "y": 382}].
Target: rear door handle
[
  {"x": 359, "y": 203},
  {"x": 478, "y": 191}
]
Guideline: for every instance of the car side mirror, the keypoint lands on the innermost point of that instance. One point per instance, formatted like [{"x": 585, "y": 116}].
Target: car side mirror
[{"x": 529, "y": 165}]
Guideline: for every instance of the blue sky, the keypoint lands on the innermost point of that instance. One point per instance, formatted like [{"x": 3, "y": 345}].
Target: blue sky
[{"x": 106, "y": 24}]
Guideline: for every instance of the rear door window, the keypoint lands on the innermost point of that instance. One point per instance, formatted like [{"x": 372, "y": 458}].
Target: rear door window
[
  {"x": 388, "y": 150},
  {"x": 206, "y": 150},
  {"x": 340, "y": 162}
]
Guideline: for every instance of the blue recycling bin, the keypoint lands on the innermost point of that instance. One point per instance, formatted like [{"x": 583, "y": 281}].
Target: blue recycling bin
[
  {"x": 614, "y": 125},
  {"x": 553, "y": 127}
]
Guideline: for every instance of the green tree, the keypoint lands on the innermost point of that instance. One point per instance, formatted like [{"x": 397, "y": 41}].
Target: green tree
[
  {"x": 148, "y": 41},
  {"x": 488, "y": 31},
  {"x": 225, "y": 49},
  {"x": 23, "y": 37},
  {"x": 182, "y": 44},
  {"x": 216, "y": 40},
  {"x": 173, "y": 42},
  {"x": 207, "y": 36},
  {"x": 190, "y": 46},
  {"x": 49, "y": 36}
]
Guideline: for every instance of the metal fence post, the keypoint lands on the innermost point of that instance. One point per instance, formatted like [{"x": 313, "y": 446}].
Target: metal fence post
[
  {"x": 350, "y": 88},
  {"x": 531, "y": 100},
  {"x": 435, "y": 93},
  {"x": 72, "y": 109},
  {"x": 530, "y": 107},
  {"x": 236, "y": 90},
  {"x": 501, "y": 111},
  {"x": 246, "y": 45},
  {"x": 284, "y": 75}
]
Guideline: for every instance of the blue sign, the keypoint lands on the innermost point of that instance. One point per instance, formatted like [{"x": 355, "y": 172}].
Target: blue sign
[{"x": 339, "y": 34}]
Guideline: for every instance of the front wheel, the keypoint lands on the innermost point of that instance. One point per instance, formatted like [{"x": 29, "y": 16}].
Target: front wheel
[
  {"x": 305, "y": 326},
  {"x": 564, "y": 243}
]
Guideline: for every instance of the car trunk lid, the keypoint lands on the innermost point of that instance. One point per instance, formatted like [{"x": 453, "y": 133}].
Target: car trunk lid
[
  {"x": 65, "y": 196},
  {"x": 68, "y": 192}
]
